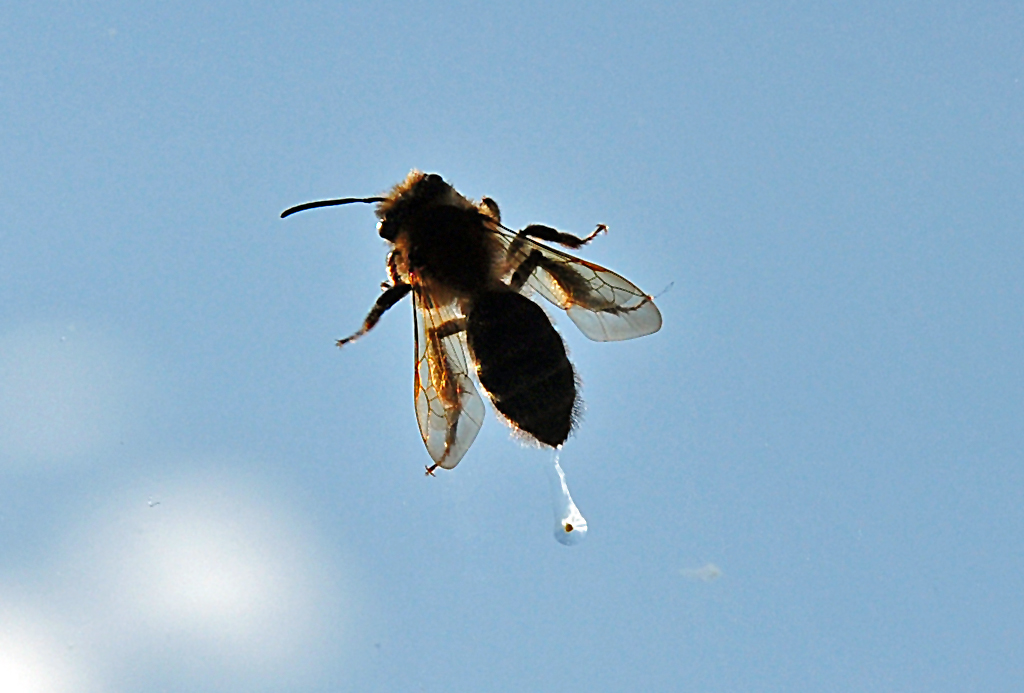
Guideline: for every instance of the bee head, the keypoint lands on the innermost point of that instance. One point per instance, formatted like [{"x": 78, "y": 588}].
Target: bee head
[{"x": 418, "y": 191}]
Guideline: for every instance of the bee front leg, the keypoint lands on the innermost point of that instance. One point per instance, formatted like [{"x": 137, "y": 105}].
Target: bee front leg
[{"x": 390, "y": 297}]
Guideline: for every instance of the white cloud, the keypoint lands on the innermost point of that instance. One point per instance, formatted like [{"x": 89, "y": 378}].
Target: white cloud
[
  {"x": 209, "y": 578},
  {"x": 215, "y": 580},
  {"x": 32, "y": 658}
]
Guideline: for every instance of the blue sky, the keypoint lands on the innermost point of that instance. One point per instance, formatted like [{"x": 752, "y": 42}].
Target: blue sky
[{"x": 809, "y": 480}]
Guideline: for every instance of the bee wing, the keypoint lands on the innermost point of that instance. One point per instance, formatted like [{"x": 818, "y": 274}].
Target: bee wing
[
  {"x": 449, "y": 409},
  {"x": 606, "y": 306}
]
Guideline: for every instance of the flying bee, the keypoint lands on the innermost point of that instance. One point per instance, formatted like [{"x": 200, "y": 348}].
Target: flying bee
[{"x": 467, "y": 274}]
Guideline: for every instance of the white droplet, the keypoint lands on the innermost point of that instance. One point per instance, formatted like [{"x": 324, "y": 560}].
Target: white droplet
[{"x": 570, "y": 525}]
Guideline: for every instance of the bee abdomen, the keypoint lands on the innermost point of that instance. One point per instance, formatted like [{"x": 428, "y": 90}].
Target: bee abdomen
[{"x": 521, "y": 362}]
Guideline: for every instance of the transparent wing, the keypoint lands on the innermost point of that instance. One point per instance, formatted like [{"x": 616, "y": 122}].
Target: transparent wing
[
  {"x": 448, "y": 408},
  {"x": 604, "y": 305}
]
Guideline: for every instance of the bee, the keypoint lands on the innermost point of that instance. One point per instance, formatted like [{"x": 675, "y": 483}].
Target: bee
[{"x": 468, "y": 276}]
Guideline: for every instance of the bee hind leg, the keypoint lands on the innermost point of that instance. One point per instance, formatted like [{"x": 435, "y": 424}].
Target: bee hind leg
[
  {"x": 546, "y": 233},
  {"x": 447, "y": 329},
  {"x": 525, "y": 269},
  {"x": 536, "y": 259},
  {"x": 390, "y": 297}
]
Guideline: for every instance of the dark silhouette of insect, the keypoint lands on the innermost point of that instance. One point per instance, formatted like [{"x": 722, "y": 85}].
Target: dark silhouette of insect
[{"x": 466, "y": 273}]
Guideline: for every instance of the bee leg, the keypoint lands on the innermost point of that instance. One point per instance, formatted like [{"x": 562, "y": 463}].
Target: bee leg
[
  {"x": 390, "y": 297},
  {"x": 492, "y": 208},
  {"x": 447, "y": 329},
  {"x": 525, "y": 269},
  {"x": 546, "y": 233},
  {"x": 430, "y": 469},
  {"x": 535, "y": 259},
  {"x": 568, "y": 279},
  {"x": 392, "y": 263}
]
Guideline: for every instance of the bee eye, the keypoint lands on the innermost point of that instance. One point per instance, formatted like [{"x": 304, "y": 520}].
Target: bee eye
[
  {"x": 386, "y": 230},
  {"x": 431, "y": 186}
]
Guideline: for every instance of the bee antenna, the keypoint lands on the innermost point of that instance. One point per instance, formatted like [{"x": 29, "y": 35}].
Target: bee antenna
[{"x": 328, "y": 203}]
